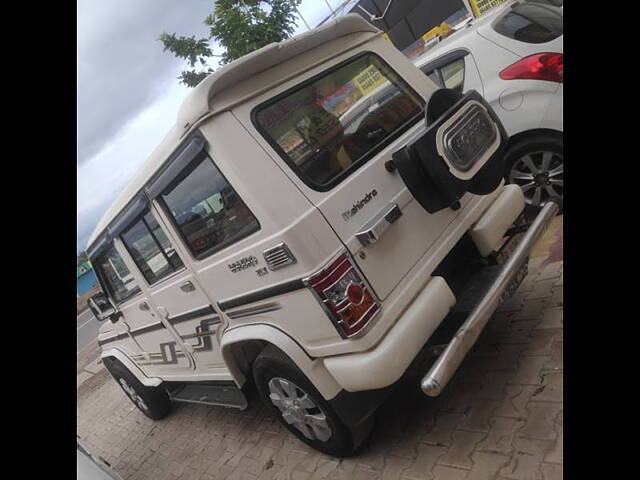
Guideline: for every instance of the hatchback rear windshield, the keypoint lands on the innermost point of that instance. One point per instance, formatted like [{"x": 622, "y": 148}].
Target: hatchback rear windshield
[
  {"x": 531, "y": 23},
  {"x": 332, "y": 124}
]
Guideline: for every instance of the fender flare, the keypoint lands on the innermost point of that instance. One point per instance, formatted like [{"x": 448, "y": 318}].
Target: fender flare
[
  {"x": 131, "y": 366},
  {"x": 314, "y": 369}
]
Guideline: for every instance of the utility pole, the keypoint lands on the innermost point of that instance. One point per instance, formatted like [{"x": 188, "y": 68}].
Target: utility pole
[
  {"x": 333, "y": 14},
  {"x": 305, "y": 22}
]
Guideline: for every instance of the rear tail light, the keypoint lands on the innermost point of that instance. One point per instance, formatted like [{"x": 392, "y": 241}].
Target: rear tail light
[
  {"x": 542, "y": 66},
  {"x": 346, "y": 298}
]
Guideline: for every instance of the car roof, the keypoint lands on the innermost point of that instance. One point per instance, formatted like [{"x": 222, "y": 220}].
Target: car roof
[{"x": 210, "y": 98}]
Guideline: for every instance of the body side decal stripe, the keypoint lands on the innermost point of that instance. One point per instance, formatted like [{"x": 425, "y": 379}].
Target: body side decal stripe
[
  {"x": 247, "y": 312},
  {"x": 200, "y": 312},
  {"x": 263, "y": 294}
]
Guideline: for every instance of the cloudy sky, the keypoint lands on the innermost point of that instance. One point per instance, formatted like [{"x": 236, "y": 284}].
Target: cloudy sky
[{"x": 128, "y": 95}]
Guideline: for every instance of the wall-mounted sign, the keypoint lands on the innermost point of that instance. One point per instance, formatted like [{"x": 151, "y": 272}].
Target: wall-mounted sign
[
  {"x": 369, "y": 80},
  {"x": 480, "y": 7}
]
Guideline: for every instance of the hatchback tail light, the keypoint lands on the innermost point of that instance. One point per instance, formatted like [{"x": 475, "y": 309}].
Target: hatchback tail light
[
  {"x": 345, "y": 296},
  {"x": 541, "y": 66}
]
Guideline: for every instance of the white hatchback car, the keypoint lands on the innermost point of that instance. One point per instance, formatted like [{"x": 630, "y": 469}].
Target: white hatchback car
[{"x": 513, "y": 57}]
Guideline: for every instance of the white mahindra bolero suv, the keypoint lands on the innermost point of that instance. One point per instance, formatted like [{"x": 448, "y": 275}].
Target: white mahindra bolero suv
[{"x": 318, "y": 210}]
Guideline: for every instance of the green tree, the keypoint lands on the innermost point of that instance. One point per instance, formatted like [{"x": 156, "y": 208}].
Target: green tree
[{"x": 239, "y": 27}]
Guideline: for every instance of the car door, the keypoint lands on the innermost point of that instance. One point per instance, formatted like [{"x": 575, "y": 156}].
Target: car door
[
  {"x": 337, "y": 131},
  {"x": 176, "y": 296},
  {"x": 139, "y": 331}
]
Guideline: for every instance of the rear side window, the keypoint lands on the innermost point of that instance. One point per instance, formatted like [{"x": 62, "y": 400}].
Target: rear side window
[
  {"x": 435, "y": 76},
  {"x": 453, "y": 75},
  {"x": 150, "y": 249},
  {"x": 112, "y": 271},
  {"x": 531, "y": 23},
  {"x": 332, "y": 124},
  {"x": 450, "y": 75},
  {"x": 207, "y": 211}
]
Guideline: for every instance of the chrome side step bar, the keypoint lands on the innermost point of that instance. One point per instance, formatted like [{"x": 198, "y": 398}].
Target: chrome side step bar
[
  {"x": 448, "y": 362},
  {"x": 207, "y": 394}
]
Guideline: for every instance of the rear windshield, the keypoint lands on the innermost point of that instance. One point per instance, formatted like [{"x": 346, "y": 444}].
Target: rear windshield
[
  {"x": 531, "y": 23},
  {"x": 329, "y": 126}
]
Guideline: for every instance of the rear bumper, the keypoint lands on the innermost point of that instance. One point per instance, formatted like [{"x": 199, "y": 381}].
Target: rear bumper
[
  {"x": 384, "y": 364},
  {"x": 490, "y": 229},
  {"x": 449, "y": 361}
]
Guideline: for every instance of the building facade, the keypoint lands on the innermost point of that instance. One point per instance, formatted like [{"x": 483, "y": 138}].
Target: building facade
[{"x": 406, "y": 21}]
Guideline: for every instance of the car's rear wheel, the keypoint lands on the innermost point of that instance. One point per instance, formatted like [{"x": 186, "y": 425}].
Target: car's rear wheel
[
  {"x": 293, "y": 399},
  {"x": 537, "y": 165}
]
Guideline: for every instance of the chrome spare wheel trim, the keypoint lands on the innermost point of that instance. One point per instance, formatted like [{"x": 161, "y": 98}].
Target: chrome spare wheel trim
[
  {"x": 135, "y": 398},
  {"x": 538, "y": 173},
  {"x": 448, "y": 362},
  {"x": 298, "y": 409}
]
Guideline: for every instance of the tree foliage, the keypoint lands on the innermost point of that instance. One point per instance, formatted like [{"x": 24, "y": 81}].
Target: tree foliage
[{"x": 239, "y": 27}]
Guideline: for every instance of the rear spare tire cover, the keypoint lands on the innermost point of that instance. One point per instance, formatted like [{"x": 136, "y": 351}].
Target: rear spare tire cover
[{"x": 436, "y": 183}]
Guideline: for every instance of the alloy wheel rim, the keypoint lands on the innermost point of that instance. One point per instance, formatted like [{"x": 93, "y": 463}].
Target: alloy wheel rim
[
  {"x": 135, "y": 398},
  {"x": 299, "y": 410},
  {"x": 540, "y": 175}
]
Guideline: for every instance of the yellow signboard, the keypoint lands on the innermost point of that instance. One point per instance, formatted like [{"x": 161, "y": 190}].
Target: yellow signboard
[
  {"x": 480, "y": 7},
  {"x": 369, "y": 79},
  {"x": 441, "y": 30}
]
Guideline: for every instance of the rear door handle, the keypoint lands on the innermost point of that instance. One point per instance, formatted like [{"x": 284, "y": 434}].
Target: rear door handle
[
  {"x": 187, "y": 287},
  {"x": 373, "y": 230}
]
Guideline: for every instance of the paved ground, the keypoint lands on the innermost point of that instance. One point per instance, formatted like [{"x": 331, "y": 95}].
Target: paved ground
[{"x": 500, "y": 417}]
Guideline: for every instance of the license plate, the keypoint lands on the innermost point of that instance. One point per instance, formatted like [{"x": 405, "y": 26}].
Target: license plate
[
  {"x": 515, "y": 283},
  {"x": 503, "y": 256},
  {"x": 506, "y": 251}
]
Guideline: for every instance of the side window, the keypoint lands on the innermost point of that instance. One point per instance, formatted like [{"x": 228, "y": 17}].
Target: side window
[
  {"x": 453, "y": 75},
  {"x": 112, "y": 270},
  {"x": 435, "y": 76},
  {"x": 207, "y": 211},
  {"x": 150, "y": 249}
]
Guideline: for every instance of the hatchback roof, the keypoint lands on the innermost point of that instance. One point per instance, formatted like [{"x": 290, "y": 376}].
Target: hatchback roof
[
  {"x": 462, "y": 37},
  {"x": 201, "y": 102}
]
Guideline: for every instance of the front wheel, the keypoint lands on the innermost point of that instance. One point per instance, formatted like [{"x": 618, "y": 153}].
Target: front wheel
[
  {"x": 154, "y": 402},
  {"x": 293, "y": 399},
  {"x": 537, "y": 166}
]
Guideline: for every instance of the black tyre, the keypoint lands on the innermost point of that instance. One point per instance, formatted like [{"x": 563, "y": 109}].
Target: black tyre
[
  {"x": 536, "y": 164},
  {"x": 292, "y": 398},
  {"x": 154, "y": 402}
]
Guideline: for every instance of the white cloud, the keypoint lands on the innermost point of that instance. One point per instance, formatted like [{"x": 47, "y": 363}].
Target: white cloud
[{"x": 128, "y": 94}]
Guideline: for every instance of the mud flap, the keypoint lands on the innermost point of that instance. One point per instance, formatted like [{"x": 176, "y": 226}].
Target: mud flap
[{"x": 433, "y": 179}]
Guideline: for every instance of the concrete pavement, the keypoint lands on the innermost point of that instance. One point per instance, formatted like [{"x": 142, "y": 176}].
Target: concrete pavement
[{"x": 87, "y": 329}]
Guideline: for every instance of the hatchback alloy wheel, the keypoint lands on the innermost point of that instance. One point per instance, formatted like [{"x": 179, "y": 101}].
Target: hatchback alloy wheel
[{"x": 540, "y": 175}]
